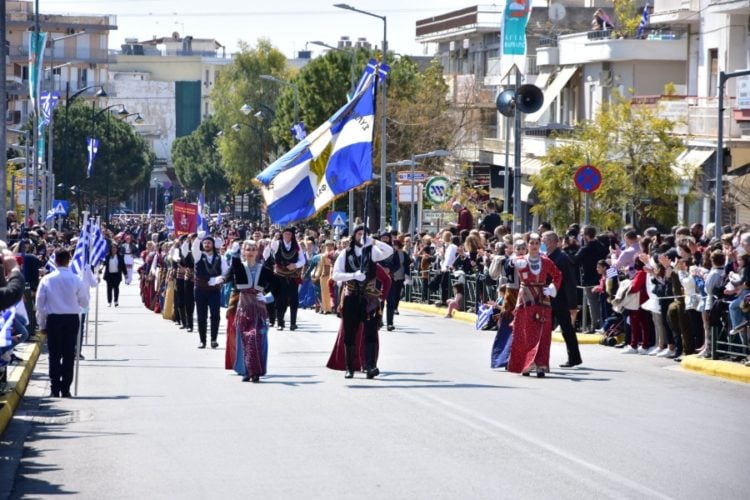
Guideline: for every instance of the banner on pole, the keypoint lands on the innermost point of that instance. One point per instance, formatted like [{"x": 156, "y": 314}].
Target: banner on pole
[{"x": 184, "y": 217}]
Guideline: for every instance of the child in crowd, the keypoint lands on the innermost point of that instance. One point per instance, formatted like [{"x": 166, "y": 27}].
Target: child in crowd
[{"x": 457, "y": 302}]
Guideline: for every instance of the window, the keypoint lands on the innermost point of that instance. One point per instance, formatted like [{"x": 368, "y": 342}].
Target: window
[{"x": 713, "y": 72}]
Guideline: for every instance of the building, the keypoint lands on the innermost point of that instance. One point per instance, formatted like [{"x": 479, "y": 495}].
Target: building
[{"x": 169, "y": 82}]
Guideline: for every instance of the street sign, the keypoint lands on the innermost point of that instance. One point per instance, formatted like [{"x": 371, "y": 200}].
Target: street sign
[
  {"x": 60, "y": 207},
  {"x": 404, "y": 193},
  {"x": 587, "y": 178},
  {"x": 438, "y": 189},
  {"x": 435, "y": 215},
  {"x": 406, "y": 176},
  {"x": 336, "y": 219}
]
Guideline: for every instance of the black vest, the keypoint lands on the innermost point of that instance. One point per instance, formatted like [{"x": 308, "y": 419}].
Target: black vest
[
  {"x": 204, "y": 270},
  {"x": 291, "y": 258},
  {"x": 354, "y": 263},
  {"x": 239, "y": 276}
]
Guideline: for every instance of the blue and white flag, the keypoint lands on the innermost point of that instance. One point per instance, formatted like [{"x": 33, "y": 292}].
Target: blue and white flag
[
  {"x": 6, "y": 322},
  {"x": 148, "y": 215},
  {"x": 219, "y": 218},
  {"x": 92, "y": 146},
  {"x": 201, "y": 222},
  {"x": 50, "y": 215},
  {"x": 333, "y": 159},
  {"x": 644, "y": 22},
  {"x": 91, "y": 248},
  {"x": 298, "y": 131},
  {"x": 483, "y": 316},
  {"x": 49, "y": 103}
]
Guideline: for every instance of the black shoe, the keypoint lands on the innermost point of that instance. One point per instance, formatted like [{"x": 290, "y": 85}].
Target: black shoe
[
  {"x": 117, "y": 305},
  {"x": 539, "y": 374},
  {"x": 293, "y": 327},
  {"x": 349, "y": 374},
  {"x": 66, "y": 394},
  {"x": 395, "y": 312},
  {"x": 246, "y": 378},
  {"x": 568, "y": 364},
  {"x": 202, "y": 345},
  {"x": 54, "y": 394},
  {"x": 390, "y": 328},
  {"x": 80, "y": 356},
  {"x": 280, "y": 327},
  {"x": 214, "y": 344},
  {"x": 190, "y": 329},
  {"x": 526, "y": 374},
  {"x": 373, "y": 372},
  {"x": 256, "y": 379},
  {"x": 182, "y": 327}
]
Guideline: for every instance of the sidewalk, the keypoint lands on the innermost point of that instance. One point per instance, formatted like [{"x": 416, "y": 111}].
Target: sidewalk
[
  {"x": 723, "y": 369},
  {"x": 18, "y": 379}
]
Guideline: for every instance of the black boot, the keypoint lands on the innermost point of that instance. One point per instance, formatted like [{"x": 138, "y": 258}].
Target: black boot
[
  {"x": 349, "y": 350},
  {"x": 372, "y": 369}
]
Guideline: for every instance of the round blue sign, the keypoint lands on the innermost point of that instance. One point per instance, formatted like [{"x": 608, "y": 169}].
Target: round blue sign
[{"x": 587, "y": 178}]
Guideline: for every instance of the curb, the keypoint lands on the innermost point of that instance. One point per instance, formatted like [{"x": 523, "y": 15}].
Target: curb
[
  {"x": 12, "y": 399},
  {"x": 583, "y": 338},
  {"x": 723, "y": 369}
]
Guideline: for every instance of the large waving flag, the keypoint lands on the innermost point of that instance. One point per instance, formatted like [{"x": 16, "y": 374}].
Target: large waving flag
[
  {"x": 644, "y": 22},
  {"x": 90, "y": 250},
  {"x": 333, "y": 159}
]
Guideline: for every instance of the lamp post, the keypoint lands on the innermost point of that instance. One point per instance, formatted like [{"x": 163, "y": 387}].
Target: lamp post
[
  {"x": 271, "y": 78},
  {"x": 383, "y": 90}
]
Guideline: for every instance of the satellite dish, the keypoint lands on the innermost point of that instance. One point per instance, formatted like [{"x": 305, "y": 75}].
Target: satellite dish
[{"x": 556, "y": 12}]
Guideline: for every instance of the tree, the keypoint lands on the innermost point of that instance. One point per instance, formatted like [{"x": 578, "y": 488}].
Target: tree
[
  {"x": 123, "y": 162},
  {"x": 197, "y": 161},
  {"x": 246, "y": 140},
  {"x": 635, "y": 151}
]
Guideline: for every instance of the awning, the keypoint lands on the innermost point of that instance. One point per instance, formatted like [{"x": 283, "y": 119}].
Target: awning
[
  {"x": 553, "y": 90},
  {"x": 499, "y": 193},
  {"x": 690, "y": 160}
]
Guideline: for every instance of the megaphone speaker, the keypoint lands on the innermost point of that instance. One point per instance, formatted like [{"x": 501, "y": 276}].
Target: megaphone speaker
[
  {"x": 529, "y": 99},
  {"x": 506, "y": 102}
]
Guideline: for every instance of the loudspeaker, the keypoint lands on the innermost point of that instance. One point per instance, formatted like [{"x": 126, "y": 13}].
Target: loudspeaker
[
  {"x": 506, "y": 102},
  {"x": 529, "y": 99}
]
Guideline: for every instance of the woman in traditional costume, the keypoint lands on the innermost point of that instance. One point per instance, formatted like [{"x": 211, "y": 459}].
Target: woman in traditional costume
[{"x": 539, "y": 281}]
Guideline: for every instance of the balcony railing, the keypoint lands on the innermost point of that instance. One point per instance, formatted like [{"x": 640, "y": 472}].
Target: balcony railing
[
  {"x": 695, "y": 116},
  {"x": 91, "y": 55}
]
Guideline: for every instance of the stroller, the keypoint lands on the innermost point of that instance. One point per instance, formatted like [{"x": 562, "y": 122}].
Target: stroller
[{"x": 614, "y": 330}]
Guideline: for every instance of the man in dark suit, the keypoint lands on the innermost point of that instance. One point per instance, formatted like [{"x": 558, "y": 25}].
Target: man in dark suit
[
  {"x": 566, "y": 298},
  {"x": 590, "y": 253}
]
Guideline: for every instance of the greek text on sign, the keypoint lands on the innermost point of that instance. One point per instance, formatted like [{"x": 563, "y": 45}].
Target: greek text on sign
[
  {"x": 438, "y": 189},
  {"x": 406, "y": 176}
]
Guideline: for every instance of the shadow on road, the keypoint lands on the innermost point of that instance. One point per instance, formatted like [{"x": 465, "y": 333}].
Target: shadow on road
[{"x": 376, "y": 385}]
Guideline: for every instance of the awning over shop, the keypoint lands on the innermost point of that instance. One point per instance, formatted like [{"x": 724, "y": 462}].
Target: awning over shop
[
  {"x": 690, "y": 160},
  {"x": 553, "y": 90}
]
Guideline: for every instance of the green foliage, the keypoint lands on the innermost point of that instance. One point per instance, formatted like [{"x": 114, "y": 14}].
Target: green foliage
[
  {"x": 628, "y": 15},
  {"x": 123, "y": 163},
  {"x": 635, "y": 151},
  {"x": 197, "y": 161},
  {"x": 244, "y": 151}
]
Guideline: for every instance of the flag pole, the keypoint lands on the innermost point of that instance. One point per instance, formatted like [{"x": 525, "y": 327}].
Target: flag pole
[
  {"x": 96, "y": 306},
  {"x": 78, "y": 333}
]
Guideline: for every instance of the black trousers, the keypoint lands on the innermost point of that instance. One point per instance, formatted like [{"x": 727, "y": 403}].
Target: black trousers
[
  {"x": 288, "y": 297},
  {"x": 354, "y": 312},
  {"x": 188, "y": 303},
  {"x": 61, "y": 344},
  {"x": 394, "y": 297},
  {"x": 562, "y": 317},
  {"x": 113, "y": 288},
  {"x": 178, "y": 293},
  {"x": 207, "y": 300}
]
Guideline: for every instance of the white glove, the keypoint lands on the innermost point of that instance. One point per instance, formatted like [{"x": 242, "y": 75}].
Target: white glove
[
  {"x": 367, "y": 241},
  {"x": 549, "y": 291},
  {"x": 220, "y": 280},
  {"x": 201, "y": 235},
  {"x": 359, "y": 276}
]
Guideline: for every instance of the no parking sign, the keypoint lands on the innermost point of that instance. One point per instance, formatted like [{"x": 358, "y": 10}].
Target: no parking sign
[{"x": 587, "y": 178}]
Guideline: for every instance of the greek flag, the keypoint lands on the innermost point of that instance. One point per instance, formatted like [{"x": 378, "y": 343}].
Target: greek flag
[
  {"x": 483, "y": 316},
  {"x": 91, "y": 248},
  {"x": 333, "y": 159},
  {"x": 92, "y": 146},
  {"x": 49, "y": 101},
  {"x": 611, "y": 273},
  {"x": 201, "y": 221},
  {"x": 148, "y": 215},
  {"x": 219, "y": 218},
  {"x": 644, "y": 22},
  {"x": 6, "y": 322},
  {"x": 50, "y": 215},
  {"x": 298, "y": 131}
]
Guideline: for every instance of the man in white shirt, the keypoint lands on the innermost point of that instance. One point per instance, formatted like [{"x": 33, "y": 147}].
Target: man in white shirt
[
  {"x": 59, "y": 300},
  {"x": 209, "y": 266},
  {"x": 288, "y": 263}
]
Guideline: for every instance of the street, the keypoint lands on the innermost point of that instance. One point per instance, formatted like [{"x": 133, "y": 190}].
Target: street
[{"x": 157, "y": 418}]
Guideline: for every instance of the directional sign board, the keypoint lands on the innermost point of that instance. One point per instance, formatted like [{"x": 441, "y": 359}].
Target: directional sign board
[
  {"x": 336, "y": 219},
  {"x": 587, "y": 178},
  {"x": 406, "y": 176}
]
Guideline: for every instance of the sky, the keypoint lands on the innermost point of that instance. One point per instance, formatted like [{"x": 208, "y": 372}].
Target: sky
[{"x": 289, "y": 24}]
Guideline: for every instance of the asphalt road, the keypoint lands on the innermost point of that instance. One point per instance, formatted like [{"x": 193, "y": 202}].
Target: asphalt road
[{"x": 158, "y": 418}]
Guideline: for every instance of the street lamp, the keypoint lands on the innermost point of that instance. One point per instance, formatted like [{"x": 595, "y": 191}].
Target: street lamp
[
  {"x": 272, "y": 78},
  {"x": 383, "y": 90}
]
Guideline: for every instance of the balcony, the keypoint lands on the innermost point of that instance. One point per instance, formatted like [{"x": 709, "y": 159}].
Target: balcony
[
  {"x": 676, "y": 12},
  {"x": 598, "y": 46},
  {"x": 698, "y": 117},
  {"x": 20, "y": 54},
  {"x": 729, "y": 7}
]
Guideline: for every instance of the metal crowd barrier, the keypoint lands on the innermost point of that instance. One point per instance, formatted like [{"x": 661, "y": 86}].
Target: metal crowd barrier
[{"x": 476, "y": 289}]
